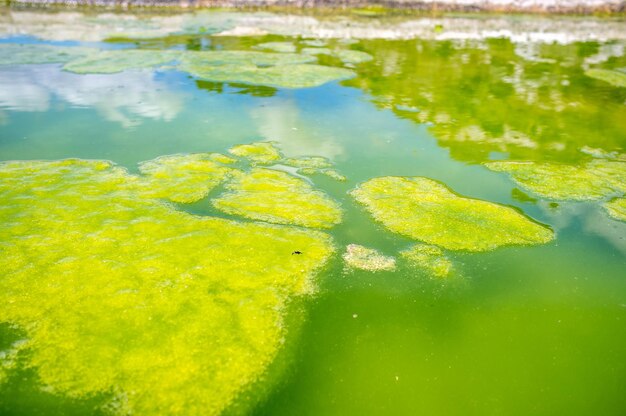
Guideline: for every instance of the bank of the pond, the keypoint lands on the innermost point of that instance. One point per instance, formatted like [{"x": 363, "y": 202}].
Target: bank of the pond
[{"x": 367, "y": 6}]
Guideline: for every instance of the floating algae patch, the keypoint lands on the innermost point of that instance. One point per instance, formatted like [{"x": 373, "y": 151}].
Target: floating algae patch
[
  {"x": 593, "y": 180},
  {"x": 617, "y": 208},
  {"x": 348, "y": 56},
  {"x": 430, "y": 258},
  {"x": 183, "y": 178},
  {"x": 333, "y": 174},
  {"x": 122, "y": 295},
  {"x": 21, "y": 54},
  {"x": 428, "y": 211},
  {"x": 283, "y": 70},
  {"x": 616, "y": 78},
  {"x": 205, "y": 60},
  {"x": 262, "y": 153},
  {"x": 112, "y": 61},
  {"x": 311, "y": 162},
  {"x": 363, "y": 258},
  {"x": 285, "y": 47},
  {"x": 277, "y": 197},
  {"x": 312, "y": 165}
]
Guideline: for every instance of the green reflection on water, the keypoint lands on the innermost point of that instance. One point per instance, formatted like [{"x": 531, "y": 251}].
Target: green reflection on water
[{"x": 529, "y": 101}]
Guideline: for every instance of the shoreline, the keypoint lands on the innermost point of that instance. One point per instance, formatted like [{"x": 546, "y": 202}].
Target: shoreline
[{"x": 360, "y": 7}]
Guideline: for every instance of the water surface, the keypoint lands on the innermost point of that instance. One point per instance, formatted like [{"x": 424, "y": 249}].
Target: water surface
[{"x": 524, "y": 329}]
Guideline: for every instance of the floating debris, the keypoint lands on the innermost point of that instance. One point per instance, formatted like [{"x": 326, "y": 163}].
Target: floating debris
[
  {"x": 615, "y": 78},
  {"x": 277, "y": 197},
  {"x": 429, "y": 257},
  {"x": 363, "y": 258},
  {"x": 594, "y": 180},
  {"x": 262, "y": 153},
  {"x": 428, "y": 211},
  {"x": 120, "y": 294},
  {"x": 617, "y": 208},
  {"x": 183, "y": 178}
]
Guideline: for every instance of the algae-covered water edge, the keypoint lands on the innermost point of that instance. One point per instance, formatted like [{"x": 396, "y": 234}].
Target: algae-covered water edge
[{"x": 256, "y": 213}]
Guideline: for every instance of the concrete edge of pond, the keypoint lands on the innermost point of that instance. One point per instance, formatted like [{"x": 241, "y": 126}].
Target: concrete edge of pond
[{"x": 368, "y": 7}]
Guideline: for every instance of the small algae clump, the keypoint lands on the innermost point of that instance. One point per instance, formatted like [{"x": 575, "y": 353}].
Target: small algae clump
[
  {"x": 428, "y": 211},
  {"x": 617, "y": 208},
  {"x": 333, "y": 174},
  {"x": 283, "y": 70},
  {"x": 261, "y": 153},
  {"x": 363, "y": 258},
  {"x": 285, "y": 47},
  {"x": 593, "y": 180},
  {"x": 312, "y": 165},
  {"x": 430, "y": 258},
  {"x": 183, "y": 178},
  {"x": 123, "y": 297},
  {"x": 312, "y": 162},
  {"x": 112, "y": 61},
  {"x": 277, "y": 197},
  {"x": 616, "y": 78},
  {"x": 22, "y": 54}
]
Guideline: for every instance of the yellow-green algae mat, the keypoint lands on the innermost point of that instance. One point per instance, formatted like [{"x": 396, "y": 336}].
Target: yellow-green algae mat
[
  {"x": 119, "y": 293},
  {"x": 595, "y": 180},
  {"x": 277, "y": 197},
  {"x": 282, "y": 70},
  {"x": 426, "y": 210}
]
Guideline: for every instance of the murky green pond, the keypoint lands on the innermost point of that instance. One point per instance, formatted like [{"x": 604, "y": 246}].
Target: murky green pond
[{"x": 271, "y": 214}]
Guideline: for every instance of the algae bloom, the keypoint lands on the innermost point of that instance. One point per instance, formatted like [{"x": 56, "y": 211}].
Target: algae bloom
[
  {"x": 108, "y": 62},
  {"x": 183, "y": 178},
  {"x": 262, "y": 153},
  {"x": 428, "y": 211},
  {"x": 369, "y": 259},
  {"x": 428, "y": 257},
  {"x": 22, "y": 54},
  {"x": 594, "y": 180},
  {"x": 617, "y": 208},
  {"x": 284, "y": 70},
  {"x": 275, "y": 196},
  {"x": 313, "y": 165},
  {"x": 121, "y": 295}
]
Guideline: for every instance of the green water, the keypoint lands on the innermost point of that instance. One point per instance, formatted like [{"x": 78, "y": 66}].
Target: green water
[{"x": 523, "y": 329}]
